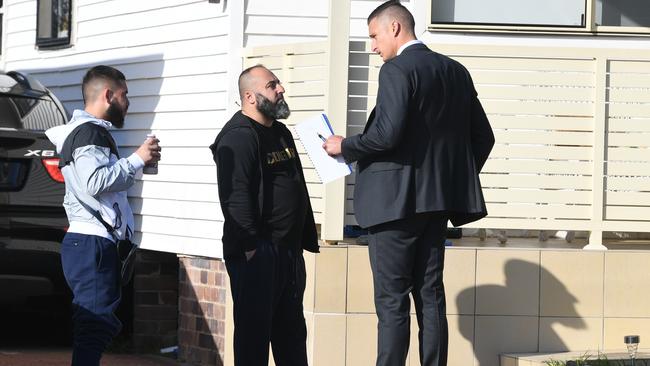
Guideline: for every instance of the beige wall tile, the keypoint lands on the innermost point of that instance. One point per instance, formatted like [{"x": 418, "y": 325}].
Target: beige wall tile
[
  {"x": 413, "y": 358},
  {"x": 570, "y": 334},
  {"x": 507, "y": 282},
  {"x": 309, "y": 321},
  {"x": 461, "y": 335},
  {"x": 617, "y": 328},
  {"x": 328, "y": 340},
  {"x": 310, "y": 269},
  {"x": 627, "y": 284},
  {"x": 460, "y": 279},
  {"x": 513, "y": 361},
  {"x": 361, "y": 340},
  {"x": 508, "y": 361},
  {"x": 571, "y": 284},
  {"x": 271, "y": 360},
  {"x": 330, "y": 280},
  {"x": 461, "y": 340},
  {"x": 503, "y": 334},
  {"x": 360, "y": 288}
]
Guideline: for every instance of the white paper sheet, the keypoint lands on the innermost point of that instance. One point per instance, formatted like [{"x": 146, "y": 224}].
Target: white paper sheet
[{"x": 312, "y": 133}]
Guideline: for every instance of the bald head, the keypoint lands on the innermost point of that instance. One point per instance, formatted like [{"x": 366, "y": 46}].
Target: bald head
[
  {"x": 249, "y": 77},
  {"x": 393, "y": 10}
]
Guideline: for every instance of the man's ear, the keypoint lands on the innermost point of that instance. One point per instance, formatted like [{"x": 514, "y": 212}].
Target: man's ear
[
  {"x": 249, "y": 97},
  {"x": 396, "y": 28},
  {"x": 107, "y": 95}
]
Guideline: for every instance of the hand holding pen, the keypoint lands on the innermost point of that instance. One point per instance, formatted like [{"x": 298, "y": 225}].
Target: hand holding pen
[{"x": 332, "y": 144}]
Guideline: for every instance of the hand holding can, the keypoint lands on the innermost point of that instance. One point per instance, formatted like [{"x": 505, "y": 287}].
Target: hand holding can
[{"x": 151, "y": 168}]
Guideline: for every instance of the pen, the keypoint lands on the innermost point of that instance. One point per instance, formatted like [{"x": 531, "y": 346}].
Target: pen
[{"x": 321, "y": 137}]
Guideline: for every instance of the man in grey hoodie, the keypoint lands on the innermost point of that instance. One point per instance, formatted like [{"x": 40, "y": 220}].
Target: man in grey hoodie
[{"x": 96, "y": 177}]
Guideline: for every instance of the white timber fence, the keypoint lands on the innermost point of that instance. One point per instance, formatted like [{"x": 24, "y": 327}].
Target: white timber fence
[{"x": 572, "y": 128}]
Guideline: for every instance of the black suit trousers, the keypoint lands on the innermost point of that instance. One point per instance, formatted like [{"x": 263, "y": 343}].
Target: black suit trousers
[{"x": 407, "y": 257}]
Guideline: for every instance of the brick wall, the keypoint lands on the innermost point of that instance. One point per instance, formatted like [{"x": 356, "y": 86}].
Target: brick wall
[
  {"x": 202, "y": 311},
  {"x": 155, "y": 291}
]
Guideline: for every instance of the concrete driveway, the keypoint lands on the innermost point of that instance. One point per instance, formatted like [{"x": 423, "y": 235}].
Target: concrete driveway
[{"x": 61, "y": 357}]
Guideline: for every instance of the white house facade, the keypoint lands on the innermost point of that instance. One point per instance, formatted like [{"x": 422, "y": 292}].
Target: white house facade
[{"x": 566, "y": 86}]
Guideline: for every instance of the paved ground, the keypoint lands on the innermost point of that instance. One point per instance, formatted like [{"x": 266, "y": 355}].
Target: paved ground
[{"x": 61, "y": 357}]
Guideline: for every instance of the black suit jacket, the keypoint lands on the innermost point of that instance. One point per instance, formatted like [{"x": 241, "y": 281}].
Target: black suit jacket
[{"x": 424, "y": 144}]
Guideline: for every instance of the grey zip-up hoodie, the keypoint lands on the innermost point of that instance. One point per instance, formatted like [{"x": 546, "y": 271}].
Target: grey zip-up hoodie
[{"x": 94, "y": 173}]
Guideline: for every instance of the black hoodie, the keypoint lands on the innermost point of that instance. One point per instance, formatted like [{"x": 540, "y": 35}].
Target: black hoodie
[{"x": 242, "y": 176}]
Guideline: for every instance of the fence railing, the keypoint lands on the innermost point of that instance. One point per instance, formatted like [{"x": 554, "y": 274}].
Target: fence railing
[{"x": 572, "y": 128}]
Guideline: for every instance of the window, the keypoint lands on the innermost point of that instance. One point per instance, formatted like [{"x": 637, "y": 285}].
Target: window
[
  {"x": 623, "y": 13},
  {"x": 2, "y": 11},
  {"x": 53, "y": 24},
  {"x": 609, "y": 16}
]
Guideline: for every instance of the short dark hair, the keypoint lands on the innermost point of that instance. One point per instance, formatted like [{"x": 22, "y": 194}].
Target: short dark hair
[
  {"x": 243, "y": 76},
  {"x": 100, "y": 72},
  {"x": 396, "y": 9}
]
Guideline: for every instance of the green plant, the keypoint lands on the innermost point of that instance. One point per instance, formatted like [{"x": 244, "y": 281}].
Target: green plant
[
  {"x": 587, "y": 360},
  {"x": 553, "y": 362}
]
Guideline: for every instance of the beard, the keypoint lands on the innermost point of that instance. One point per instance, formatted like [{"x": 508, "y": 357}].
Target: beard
[
  {"x": 115, "y": 114},
  {"x": 277, "y": 110}
]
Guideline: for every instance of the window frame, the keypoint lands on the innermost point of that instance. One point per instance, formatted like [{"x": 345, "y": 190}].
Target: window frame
[
  {"x": 2, "y": 26},
  {"x": 51, "y": 42},
  {"x": 589, "y": 27}
]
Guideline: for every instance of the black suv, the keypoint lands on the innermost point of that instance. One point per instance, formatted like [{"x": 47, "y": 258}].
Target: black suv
[{"x": 32, "y": 219}]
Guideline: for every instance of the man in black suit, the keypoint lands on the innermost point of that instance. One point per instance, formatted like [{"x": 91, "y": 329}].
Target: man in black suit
[{"x": 418, "y": 161}]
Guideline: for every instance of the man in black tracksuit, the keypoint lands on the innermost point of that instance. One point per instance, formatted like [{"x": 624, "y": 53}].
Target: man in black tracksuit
[{"x": 268, "y": 222}]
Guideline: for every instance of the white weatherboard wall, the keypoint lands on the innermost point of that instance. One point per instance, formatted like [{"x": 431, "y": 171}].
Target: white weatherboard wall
[
  {"x": 291, "y": 21},
  {"x": 175, "y": 55}
]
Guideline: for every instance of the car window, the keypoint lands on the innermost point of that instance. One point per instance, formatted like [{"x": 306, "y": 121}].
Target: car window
[
  {"x": 29, "y": 113},
  {"x": 9, "y": 116}
]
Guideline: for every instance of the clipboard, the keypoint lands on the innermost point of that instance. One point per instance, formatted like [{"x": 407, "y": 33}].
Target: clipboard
[{"x": 312, "y": 132}]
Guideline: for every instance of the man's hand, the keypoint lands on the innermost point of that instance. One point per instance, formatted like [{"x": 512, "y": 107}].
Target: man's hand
[
  {"x": 149, "y": 151},
  {"x": 249, "y": 254},
  {"x": 333, "y": 145}
]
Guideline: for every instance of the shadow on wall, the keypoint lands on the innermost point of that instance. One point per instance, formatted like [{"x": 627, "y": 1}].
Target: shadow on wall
[{"x": 507, "y": 320}]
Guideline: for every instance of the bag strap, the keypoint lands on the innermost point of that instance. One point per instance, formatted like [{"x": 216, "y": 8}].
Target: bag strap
[{"x": 88, "y": 207}]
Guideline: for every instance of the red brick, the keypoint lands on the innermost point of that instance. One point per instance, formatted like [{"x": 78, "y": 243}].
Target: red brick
[
  {"x": 209, "y": 358},
  {"x": 186, "y": 323},
  {"x": 152, "y": 283},
  {"x": 201, "y": 263},
  {"x": 145, "y": 327},
  {"x": 206, "y": 341},
  {"x": 219, "y": 279},
  {"x": 147, "y": 268},
  {"x": 196, "y": 276},
  {"x": 168, "y": 297},
  {"x": 169, "y": 268},
  {"x": 155, "y": 256},
  {"x": 185, "y": 305},
  {"x": 201, "y": 326},
  {"x": 185, "y": 291},
  {"x": 146, "y": 298},
  {"x": 167, "y": 326},
  {"x": 146, "y": 312},
  {"x": 182, "y": 275},
  {"x": 209, "y": 311},
  {"x": 219, "y": 312}
]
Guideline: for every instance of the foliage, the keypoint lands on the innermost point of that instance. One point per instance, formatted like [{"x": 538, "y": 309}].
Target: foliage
[{"x": 587, "y": 360}]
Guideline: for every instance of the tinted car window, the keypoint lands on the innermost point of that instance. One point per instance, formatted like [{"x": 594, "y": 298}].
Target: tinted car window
[{"x": 29, "y": 113}]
